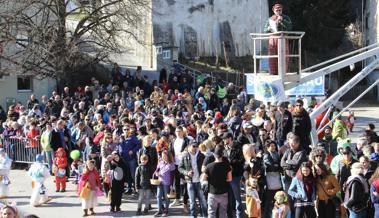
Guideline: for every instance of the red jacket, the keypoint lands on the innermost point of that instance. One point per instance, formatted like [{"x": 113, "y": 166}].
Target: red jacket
[
  {"x": 61, "y": 162},
  {"x": 32, "y": 134}
]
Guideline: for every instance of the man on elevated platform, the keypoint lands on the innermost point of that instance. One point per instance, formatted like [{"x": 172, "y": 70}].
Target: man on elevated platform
[{"x": 276, "y": 23}]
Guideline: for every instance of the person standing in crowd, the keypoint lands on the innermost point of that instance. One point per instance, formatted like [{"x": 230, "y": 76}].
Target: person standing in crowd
[
  {"x": 374, "y": 190},
  {"x": 233, "y": 152},
  {"x": 118, "y": 178},
  {"x": 327, "y": 187},
  {"x": 47, "y": 151},
  {"x": 283, "y": 123},
  {"x": 190, "y": 168},
  {"x": 143, "y": 186},
  {"x": 218, "y": 174},
  {"x": 303, "y": 191},
  {"x": 344, "y": 167},
  {"x": 302, "y": 125},
  {"x": 163, "y": 172},
  {"x": 291, "y": 160},
  {"x": 356, "y": 193},
  {"x": 179, "y": 144},
  {"x": 128, "y": 151},
  {"x": 271, "y": 162}
]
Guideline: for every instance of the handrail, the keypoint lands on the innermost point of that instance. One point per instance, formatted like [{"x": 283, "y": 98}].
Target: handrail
[
  {"x": 340, "y": 57},
  {"x": 301, "y": 34}
]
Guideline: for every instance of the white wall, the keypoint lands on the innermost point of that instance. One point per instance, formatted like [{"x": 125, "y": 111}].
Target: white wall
[
  {"x": 244, "y": 16},
  {"x": 8, "y": 88}
]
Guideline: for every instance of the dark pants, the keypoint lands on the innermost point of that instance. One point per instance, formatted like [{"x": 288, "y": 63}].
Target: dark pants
[
  {"x": 326, "y": 209},
  {"x": 177, "y": 182},
  {"x": 117, "y": 190},
  {"x": 305, "y": 212}
]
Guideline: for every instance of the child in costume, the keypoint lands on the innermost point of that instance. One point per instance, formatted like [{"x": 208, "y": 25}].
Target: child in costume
[
  {"x": 9, "y": 210},
  {"x": 281, "y": 208},
  {"x": 350, "y": 121},
  {"x": 253, "y": 203},
  {"x": 90, "y": 180},
  {"x": 39, "y": 173},
  {"x": 77, "y": 169},
  {"x": 5, "y": 167},
  {"x": 60, "y": 164}
]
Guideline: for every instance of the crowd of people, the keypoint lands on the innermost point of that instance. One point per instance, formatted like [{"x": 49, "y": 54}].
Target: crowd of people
[{"x": 203, "y": 147}]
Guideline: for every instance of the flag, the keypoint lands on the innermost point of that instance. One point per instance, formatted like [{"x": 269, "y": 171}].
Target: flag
[{"x": 269, "y": 89}]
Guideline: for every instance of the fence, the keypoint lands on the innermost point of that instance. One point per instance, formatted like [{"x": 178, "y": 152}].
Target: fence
[{"x": 21, "y": 149}]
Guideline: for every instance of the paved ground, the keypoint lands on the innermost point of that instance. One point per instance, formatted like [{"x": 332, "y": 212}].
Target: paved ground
[{"x": 67, "y": 204}]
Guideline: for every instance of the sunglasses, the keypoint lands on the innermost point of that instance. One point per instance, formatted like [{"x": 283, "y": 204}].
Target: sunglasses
[{"x": 318, "y": 156}]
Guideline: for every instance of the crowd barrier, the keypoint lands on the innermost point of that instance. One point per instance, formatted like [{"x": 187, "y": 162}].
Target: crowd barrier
[{"x": 21, "y": 149}]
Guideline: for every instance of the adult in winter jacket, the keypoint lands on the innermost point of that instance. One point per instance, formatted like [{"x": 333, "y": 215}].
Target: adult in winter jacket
[
  {"x": 149, "y": 151},
  {"x": 356, "y": 192},
  {"x": 303, "y": 191},
  {"x": 344, "y": 167},
  {"x": 283, "y": 123},
  {"x": 190, "y": 168},
  {"x": 374, "y": 191},
  {"x": 233, "y": 152},
  {"x": 302, "y": 124},
  {"x": 292, "y": 159},
  {"x": 128, "y": 151},
  {"x": 327, "y": 187}
]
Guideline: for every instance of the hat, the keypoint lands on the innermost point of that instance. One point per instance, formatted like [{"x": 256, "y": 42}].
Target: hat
[
  {"x": 276, "y": 6},
  {"x": 247, "y": 125},
  {"x": 39, "y": 158},
  {"x": 346, "y": 150},
  {"x": 116, "y": 152},
  {"x": 210, "y": 112},
  {"x": 193, "y": 142},
  {"x": 218, "y": 115},
  {"x": 219, "y": 151},
  {"x": 226, "y": 135}
]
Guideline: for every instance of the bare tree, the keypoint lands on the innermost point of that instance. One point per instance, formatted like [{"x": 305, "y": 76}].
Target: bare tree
[{"x": 56, "y": 38}]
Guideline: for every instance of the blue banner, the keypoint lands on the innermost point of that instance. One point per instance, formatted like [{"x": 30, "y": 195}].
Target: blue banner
[{"x": 314, "y": 87}]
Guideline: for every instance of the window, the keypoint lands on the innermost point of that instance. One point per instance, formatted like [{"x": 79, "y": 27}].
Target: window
[
  {"x": 166, "y": 54},
  {"x": 22, "y": 40},
  {"x": 159, "y": 49},
  {"x": 24, "y": 83}
]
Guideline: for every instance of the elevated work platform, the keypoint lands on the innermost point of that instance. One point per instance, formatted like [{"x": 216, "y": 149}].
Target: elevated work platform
[{"x": 278, "y": 59}]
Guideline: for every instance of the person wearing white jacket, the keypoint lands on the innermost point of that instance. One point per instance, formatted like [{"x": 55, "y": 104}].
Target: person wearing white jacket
[
  {"x": 39, "y": 173},
  {"x": 5, "y": 167}
]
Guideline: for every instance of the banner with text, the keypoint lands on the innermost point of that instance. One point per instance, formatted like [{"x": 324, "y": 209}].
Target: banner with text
[
  {"x": 314, "y": 87},
  {"x": 269, "y": 90}
]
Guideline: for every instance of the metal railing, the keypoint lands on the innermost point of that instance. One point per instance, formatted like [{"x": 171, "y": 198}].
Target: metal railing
[
  {"x": 21, "y": 149},
  {"x": 281, "y": 55}
]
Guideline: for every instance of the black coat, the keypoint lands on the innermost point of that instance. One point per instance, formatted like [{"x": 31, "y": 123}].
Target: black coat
[
  {"x": 151, "y": 153},
  {"x": 302, "y": 126},
  {"x": 292, "y": 160},
  {"x": 356, "y": 197},
  {"x": 56, "y": 141},
  {"x": 235, "y": 157},
  {"x": 283, "y": 124},
  {"x": 143, "y": 176}
]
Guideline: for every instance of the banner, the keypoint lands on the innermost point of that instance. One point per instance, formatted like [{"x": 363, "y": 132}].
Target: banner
[
  {"x": 314, "y": 87},
  {"x": 269, "y": 90},
  {"x": 311, "y": 88}
]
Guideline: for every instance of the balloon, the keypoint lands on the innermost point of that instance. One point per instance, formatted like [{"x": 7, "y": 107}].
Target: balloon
[{"x": 75, "y": 154}]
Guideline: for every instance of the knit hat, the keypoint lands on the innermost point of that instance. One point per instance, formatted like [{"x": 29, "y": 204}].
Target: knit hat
[{"x": 39, "y": 158}]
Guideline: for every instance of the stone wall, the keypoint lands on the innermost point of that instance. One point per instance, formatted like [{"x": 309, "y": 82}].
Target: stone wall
[{"x": 199, "y": 27}]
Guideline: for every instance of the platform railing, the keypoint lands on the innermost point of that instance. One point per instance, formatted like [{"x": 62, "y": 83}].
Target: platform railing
[{"x": 281, "y": 56}]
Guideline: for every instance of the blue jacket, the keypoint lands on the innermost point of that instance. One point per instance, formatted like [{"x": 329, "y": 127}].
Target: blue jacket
[
  {"x": 374, "y": 200},
  {"x": 297, "y": 192},
  {"x": 132, "y": 143}
]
